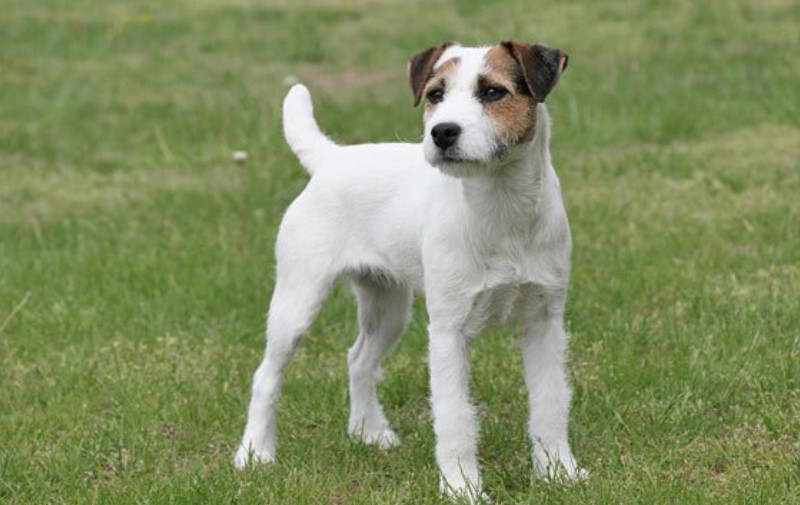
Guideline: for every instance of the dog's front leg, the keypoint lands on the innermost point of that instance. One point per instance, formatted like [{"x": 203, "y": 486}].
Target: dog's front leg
[
  {"x": 544, "y": 352},
  {"x": 454, "y": 419}
]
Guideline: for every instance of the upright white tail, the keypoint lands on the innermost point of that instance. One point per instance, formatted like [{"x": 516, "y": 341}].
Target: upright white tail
[{"x": 302, "y": 133}]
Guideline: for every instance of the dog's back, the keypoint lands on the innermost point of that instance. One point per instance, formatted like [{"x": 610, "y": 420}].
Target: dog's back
[{"x": 364, "y": 204}]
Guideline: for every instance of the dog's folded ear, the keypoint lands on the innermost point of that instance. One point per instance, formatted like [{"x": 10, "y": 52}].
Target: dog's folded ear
[
  {"x": 541, "y": 66},
  {"x": 420, "y": 69}
]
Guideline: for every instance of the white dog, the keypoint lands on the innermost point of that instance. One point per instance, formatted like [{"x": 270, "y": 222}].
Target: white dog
[{"x": 472, "y": 217}]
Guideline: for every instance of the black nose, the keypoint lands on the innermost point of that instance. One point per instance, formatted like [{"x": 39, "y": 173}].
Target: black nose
[{"x": 445, "y": 134}]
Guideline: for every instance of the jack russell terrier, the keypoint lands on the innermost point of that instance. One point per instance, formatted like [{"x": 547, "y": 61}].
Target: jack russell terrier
[{"x": 472, "y": 217}]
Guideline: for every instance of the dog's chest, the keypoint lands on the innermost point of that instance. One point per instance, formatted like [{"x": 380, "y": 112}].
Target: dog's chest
[
  {"x": 495, "y": 306},
  {"x": 510, "y": 273},
  {"x": 501, "y": 296}
]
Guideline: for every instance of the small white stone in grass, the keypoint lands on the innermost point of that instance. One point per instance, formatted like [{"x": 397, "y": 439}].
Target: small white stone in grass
[
  {"x": 290, "y": 80},
  {"x": 239, "y": 157}
]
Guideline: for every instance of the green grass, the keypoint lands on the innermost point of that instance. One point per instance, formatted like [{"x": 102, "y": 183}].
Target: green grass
[{"x": 136, "y": 259}]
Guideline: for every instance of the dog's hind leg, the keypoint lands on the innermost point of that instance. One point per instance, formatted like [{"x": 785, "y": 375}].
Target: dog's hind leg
[
  {"x": 383, "y": 313},
  {"x": 299, "y": 292}
]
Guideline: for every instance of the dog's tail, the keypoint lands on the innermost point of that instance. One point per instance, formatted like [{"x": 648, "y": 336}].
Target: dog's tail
[{"x": 302, "y": 133}]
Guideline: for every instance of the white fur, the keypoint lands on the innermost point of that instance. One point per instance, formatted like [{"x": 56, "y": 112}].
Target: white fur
[{"x": 491, "y": 246}]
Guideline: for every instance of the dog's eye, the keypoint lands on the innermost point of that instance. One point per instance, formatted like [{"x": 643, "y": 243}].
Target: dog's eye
[
  {"x": 493, "y": 93},
  {"x": 435, "y": 95}
]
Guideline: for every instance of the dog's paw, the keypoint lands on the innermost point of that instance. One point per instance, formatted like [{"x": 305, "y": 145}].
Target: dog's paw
[
  {"x": 558, "y": 467},
  {"x": 246, "y": 455},
  {"x": 580, "y": 474},
  {"x": 385, "y": 438},
  {"x": 564, "y": 474},
  {"x": 464, "y": 493}
]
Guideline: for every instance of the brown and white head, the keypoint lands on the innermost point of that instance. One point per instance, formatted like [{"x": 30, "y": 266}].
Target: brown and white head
[{"x": 481, "y": 102}]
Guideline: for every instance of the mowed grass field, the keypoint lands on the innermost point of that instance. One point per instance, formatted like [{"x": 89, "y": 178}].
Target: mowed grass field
[{"x": 136, "y": 257}]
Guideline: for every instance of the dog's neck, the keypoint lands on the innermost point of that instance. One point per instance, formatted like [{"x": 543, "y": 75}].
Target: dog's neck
[{"x": 514, "y": 194}]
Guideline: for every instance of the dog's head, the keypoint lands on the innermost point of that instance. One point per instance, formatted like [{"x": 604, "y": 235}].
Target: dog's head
[{"x": 480, "y": 102}]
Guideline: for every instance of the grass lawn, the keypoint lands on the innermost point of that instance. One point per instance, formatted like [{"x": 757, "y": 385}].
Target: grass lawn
[{"x": 136, "y": 257}]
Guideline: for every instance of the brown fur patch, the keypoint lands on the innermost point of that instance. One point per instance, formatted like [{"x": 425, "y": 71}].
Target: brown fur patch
[
  {"x": 420, "y": 69},
  {"x": 445, "y": 69},
  {"x": 514, "y": 114}
]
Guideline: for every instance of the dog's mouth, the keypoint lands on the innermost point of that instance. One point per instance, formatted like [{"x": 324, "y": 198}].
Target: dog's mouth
[
  {"x": 450, "y": 158},
  {"x": 448, "y": 162},
  {"x": 455, "y": 157},
  {"x": 461, "y": 160},
  {"x": 451, "y": 155}
]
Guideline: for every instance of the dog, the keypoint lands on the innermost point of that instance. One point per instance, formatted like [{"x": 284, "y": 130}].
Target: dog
[{"x": 472, "y": 217}]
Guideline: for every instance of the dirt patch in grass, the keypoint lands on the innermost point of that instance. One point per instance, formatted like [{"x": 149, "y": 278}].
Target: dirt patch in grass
[{"x": 345, "y": 84}]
